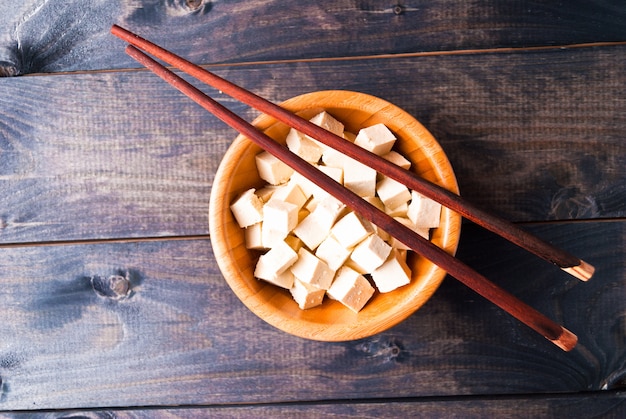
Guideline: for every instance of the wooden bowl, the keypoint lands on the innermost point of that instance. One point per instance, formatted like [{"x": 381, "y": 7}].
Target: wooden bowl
[{"x": 331, "y": 321}]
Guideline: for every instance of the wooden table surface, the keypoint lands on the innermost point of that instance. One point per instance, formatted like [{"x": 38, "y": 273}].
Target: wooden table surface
[{"x": 106, "y": 173}]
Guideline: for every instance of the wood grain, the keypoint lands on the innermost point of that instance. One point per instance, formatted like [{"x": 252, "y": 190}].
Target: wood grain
[
  {"x": 606, "y": 405},
  {"x": 180, "y": 336},
  {"x": 60, "y": 35},
  {"x": 137, "y": 327},
  {"x": 533, "y": 136}
]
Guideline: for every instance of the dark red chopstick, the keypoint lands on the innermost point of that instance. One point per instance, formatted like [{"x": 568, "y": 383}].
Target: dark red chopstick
[
  {"x": 569, "y": 263},
  {"x": 552, "y": 331}
]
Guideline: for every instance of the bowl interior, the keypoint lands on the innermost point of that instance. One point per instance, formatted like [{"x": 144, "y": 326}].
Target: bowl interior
[{"x": 331, "y": 321}]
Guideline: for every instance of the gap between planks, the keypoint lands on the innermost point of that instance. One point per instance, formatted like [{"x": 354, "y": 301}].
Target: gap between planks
[
  {"x": 589, "y": 396},
  {"x": 506, "y": 50},
  {"x": 79, "y": 242}
]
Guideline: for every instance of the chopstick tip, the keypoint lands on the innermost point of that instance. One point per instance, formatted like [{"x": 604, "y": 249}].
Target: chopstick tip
[
  {"x": 582, "y": 271},
  {"x": 566, "y": 341}
]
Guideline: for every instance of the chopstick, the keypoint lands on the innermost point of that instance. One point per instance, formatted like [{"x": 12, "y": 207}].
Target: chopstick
[
  {"x": 552, "y": 331},
  {"x": 564, "y": 260}
]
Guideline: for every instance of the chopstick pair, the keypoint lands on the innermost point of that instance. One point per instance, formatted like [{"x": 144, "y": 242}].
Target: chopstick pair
[{"x": 554, "y": 332}]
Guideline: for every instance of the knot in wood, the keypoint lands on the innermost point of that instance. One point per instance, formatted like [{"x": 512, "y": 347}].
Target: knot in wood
[
  {"x": 114, "y": 286},
  {"x": 388, "y": 350},
  {"x": 398, "y": 9},
  {"x": 194, "y": 5}
]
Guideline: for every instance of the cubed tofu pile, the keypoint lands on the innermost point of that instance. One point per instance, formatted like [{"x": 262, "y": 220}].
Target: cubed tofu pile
[{"x": 311, "y": 243}]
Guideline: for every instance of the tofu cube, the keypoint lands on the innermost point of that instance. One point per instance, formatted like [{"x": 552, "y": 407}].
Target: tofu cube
[
  {"x": 290, "y": 192},
  {"x": 397, "y": 159},
  {"x": 310, "y": 232},
  {"x": 271, "y": 169},
  {"x": 312, "y": 270},
  {"x": 280, "y": 216},
  {"x": 326, "y": 121},
  {"x": 276, "y": 261},
  {"x": 335, "y": 173},
  {"x": 284, "y": 279},
  {"x": 307, "y": 187},
  {"x": 334, "y": 158},
  {"x": 351, "y": 289},
  {"x": 314, "y": 228},
  {"x": 306, "y": 295},
  {"x": 303, "y": 146},
  {"x": 253, "y": 237},
  {"x": 328, "y": 211},
  {"x": 392, "y": 193},
  {"x": 392, "y": 274},
  {"x": 350, "y": 230},
  {"x": 332, "y": 252},
  {"x": 247, "y": 209},
  {"x": 269, "y": 237},
  {"x": 378, "y": 139},
  {"x": 370, "y": 253},
  {"x": 359, "y": 178},
  {"x": 423, "y": 212}
]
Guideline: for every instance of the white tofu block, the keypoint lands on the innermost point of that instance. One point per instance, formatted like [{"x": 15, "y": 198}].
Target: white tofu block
[
  {"x": 271, "y": 169},
  {"x": 329, "y": 123},
  {"x": 276, "y": 261},
  {"x": 397, "y": 159},
  {"x": 269, "y": 237},
  {"x": 332, "y": 252},
  {"x": 392, "y": 193},
  {"x": 350, "y": 230},
  {"x": 377, "y": 139},
  {"x": 359, "y": 178},
  {"x": 351, "y": 289},
  {"x": 392, "y": 274},
  {"x": 303, "y": 146},
  {"x": 335, "y": 173},
  {"x": 312, "y": 270},
  {"x": 290, "y": 192},
  {"x": 306, "y": 295},
  {"x": 253, "y": 237},
  {"x": 310, "y": 231},
  {"x": 334, "y": 158},
  {"x": 280, "y": 216},
  {"x": 284, "y": 279},
  {"x": 370, "y": 253},
  {"x": 307, "y": 187},
  {"x": 328, "y": 211},
  {"x": 247, "y": 209},
  {"x": 314, "y": 228},
  {"x": 424, "y": 212},
  {"x": 397, "y": 244}
]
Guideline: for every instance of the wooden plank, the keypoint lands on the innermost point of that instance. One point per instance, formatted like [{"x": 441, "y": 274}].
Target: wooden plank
[
  {"x": 598, "y": 404},
  {"x": 60, "y": 35},
  {"x": 180, "y": 336},
  {"x": 533, "y": 136}
]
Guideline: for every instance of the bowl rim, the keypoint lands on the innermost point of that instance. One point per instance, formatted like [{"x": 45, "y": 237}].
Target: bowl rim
[{"x": 306, "y": 327}]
